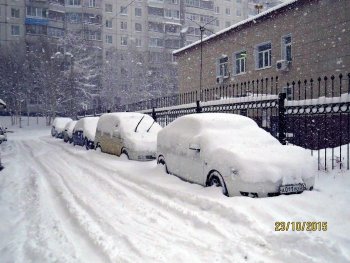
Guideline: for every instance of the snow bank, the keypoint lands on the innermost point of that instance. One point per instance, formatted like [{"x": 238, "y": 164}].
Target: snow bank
[{"x": 88, "y": 126}]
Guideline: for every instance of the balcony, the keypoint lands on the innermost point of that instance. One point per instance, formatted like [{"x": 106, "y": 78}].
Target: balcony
[{"x": 36, "y": 21}]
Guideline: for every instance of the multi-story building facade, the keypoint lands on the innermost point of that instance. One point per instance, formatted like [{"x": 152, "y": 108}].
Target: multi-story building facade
[
  {"x": 297, "y": 40},
  {"x": 12, "y": 28},
  {"x": 135, "y": 37}
]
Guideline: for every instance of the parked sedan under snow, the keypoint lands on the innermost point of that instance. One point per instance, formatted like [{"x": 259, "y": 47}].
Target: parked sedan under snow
[{"x": 232, "y": 152}]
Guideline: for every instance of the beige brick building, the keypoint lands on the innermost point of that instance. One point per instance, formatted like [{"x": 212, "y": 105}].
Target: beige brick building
[{"x": 299, "y": 39}]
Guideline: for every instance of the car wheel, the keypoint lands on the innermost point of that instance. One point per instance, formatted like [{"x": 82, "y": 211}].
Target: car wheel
[
  {"x": 125, "y": 155},
  {"x": 86, "y": 143},
  {"x": 215, "y": 179},
  {"x": 162, "y": 162},
  {"x": 98, "y": 149}
]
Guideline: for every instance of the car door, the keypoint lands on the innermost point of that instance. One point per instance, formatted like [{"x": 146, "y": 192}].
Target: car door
[
  {"x": 116, "y": 140},
  {"x": 192, "y": 163}
]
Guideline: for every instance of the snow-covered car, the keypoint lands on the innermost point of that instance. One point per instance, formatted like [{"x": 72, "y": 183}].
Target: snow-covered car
[
  {"x": 3, "y": 135},
  {"x": 130, "y": 133},
  {"x": 84, "y": 132},
  {"x": 58, "y": 126},
  {"x": 231, "y": 151},
  {"x": 68, "y": 131}
]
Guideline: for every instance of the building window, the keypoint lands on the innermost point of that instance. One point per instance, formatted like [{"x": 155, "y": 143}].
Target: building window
[
  {"x": 238, "y": 12},
  {"x": 175, "y": 14},
  {"x": 222, "y": 67},
  {"x": 138, "y": 11},
  {"x": 138, "y": 42},
  {"x": 36, "y": 11},
  {"x": 263, "y": 56},
  {"x": 156, "y": 42},
  {"x": 124, "y": 41},
  {"x": 109, "y": 23},
  {"x": 228, "y": 11},
  {"x": 217, "y": 22},
  {"x": 227, "y": 24},
  {"x": 14, "y": 13},
  {"x": 109, "y": 8},
  {"x": 287, "y": 48},
  {"x": 109, "y": 39},
  {"x": 123, "y": 25},
  {"x": 138, "y": 27},
  {"x": 240, "y": 62},
  {"x": 36, "y": 29},
  {"x": 124, "y": 10},
  {"x": 94, "y": 35},
  {"x": 92, "y": 3},
  {"x": 217, "y": 9},
  {"x": 14, "y": 30},
  {"x": 155, "y": 11},
  {"x": 74, "y": 17},
  {"x": 73, "y": 2},
  {"x": 289, "y": 92}
]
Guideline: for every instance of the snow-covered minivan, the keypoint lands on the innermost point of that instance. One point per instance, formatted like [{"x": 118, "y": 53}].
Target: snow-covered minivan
[{"x": 130, "y": 133}]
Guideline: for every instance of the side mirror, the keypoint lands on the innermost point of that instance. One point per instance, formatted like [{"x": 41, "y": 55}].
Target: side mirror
[{"x": 194, "y": 147}]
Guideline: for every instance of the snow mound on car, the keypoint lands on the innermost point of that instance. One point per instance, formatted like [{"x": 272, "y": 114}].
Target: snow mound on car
[
  {"x": 69, "y": 127},
  {"x": 88, "y": 126},
  {"x": 60, "y": 123},
  {"x": 238, "y": 142}
]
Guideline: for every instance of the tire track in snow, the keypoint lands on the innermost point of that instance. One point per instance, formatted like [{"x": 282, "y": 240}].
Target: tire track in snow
[
  {"x": 134, "y": 186},
  {"x": 53, "y": 197},
  {"x": 117, "y": 188},
  {"x": 263, "y": 241}
]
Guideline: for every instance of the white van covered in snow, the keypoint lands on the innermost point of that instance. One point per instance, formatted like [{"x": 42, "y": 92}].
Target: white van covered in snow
[{"x": 130, "y": 133}]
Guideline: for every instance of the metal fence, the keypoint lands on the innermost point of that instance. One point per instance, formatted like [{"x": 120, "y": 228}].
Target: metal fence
[{"x": 313, "y": 114}]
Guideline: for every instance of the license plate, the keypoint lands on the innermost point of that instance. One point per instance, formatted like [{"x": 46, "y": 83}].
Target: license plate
[{"x": 292, "y": 188}]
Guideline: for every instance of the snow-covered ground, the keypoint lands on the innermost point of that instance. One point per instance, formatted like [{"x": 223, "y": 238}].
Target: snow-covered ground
[{"x": 60, "y": 203}]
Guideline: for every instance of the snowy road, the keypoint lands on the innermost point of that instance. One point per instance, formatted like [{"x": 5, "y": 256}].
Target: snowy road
[{"x": 60, "y": 203}]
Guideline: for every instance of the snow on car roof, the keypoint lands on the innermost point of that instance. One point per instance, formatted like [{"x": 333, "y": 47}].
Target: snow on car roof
[
  {"x": 127, "y": 120},
  {"x": 88, "y": 126},
  {"x": 2, "y": 103},
  {"x": 216, "y": 120},
  {"x": 70, "y": 126},
  {"x": 60, "y": 123}
]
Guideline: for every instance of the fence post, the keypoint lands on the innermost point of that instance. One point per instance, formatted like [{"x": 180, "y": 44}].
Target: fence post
[
  {"x": 154, "y": 115},
  {"x": 281, "y": 119},
  {"x": 198, "y": 107}
]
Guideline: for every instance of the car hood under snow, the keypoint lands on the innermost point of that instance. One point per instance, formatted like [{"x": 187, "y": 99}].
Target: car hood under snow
[{"x": 256, "y": 158}]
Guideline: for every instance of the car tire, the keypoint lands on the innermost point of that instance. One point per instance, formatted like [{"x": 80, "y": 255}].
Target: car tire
[
  {"x": 215, "y": 179},
  {"x": 125, "y": 154},
  {"x": 162, "y": 162},
  {"x": 86, "y": 143},
  {"x": 98, "y": 149}
]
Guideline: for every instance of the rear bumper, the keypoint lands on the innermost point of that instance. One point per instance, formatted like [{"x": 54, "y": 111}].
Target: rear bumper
[{"x": 259, "y": 189}]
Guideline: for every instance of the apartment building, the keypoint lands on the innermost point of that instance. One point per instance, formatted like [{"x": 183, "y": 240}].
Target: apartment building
[
  {"x": 136, "y": 37},
  {"x": 12, "y": 28}
]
